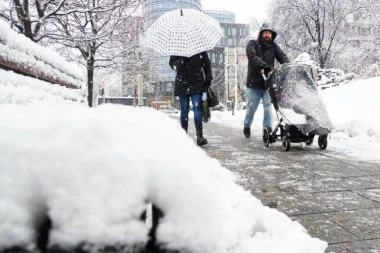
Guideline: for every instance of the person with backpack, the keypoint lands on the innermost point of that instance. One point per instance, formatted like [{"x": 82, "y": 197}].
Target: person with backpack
[{"x": 261, "y": 54}]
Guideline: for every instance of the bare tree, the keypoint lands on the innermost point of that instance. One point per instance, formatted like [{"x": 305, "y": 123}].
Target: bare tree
[
  {"x": 95, "y": 29},
  {"x": 312, "y": 25},
  {"x": 30, "y": 18}
]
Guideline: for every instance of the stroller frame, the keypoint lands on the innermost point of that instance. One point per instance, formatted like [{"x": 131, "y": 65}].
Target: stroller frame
[{"x": 290, "y": 133}]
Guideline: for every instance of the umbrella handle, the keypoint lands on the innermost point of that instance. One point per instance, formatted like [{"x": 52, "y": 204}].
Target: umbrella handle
[{"x": 263, "y": 74}]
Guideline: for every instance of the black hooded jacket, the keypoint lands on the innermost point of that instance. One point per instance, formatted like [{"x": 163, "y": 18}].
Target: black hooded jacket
[
  {"x": 192, "y": 73},
  {"x": 259, "y": 54}
]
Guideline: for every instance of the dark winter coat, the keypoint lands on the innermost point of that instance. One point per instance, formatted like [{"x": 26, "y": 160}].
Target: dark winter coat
[
  {"x": 192, "y": 73},
  {"x": 259, "y": 54}
]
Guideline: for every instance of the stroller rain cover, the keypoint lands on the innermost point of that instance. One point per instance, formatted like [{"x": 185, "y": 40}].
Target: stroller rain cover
[{"x": 296, "y": 98}]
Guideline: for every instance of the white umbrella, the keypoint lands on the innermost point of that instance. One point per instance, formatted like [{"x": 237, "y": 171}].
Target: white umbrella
[{"x": 183, "y": 32}]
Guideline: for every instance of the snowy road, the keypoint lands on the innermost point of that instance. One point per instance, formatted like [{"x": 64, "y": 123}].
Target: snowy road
[{"x": 335, "y": 197}]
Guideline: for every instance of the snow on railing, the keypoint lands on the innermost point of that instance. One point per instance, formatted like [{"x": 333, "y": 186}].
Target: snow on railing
[{"x": 21, "y": 55}]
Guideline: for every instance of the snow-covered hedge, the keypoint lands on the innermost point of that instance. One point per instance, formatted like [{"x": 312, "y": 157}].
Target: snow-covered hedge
[
  {"x": 92, "y": 171},
  {"x": 325, "y": 78},
  {"x": 19, "y": 89},
  {"x": 19, "y": 53}
]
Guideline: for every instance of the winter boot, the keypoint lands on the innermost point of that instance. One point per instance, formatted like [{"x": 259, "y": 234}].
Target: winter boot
[
  {"x": 200, "y": 139},
  {"x": 247, "y": 132}
]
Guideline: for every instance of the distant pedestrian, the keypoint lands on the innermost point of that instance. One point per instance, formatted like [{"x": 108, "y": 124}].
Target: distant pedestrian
[
  {"x": 261, "y": 54},
  {"x": 193, "y": 77}
]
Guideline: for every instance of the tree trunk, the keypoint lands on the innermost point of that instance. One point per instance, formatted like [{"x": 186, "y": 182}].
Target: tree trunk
[
  {"x": 26, "y": 21},
  {"x": 90, "y": 81},
  {"x": 22, "y": 11},
  {"x": 322, "y": 61}
]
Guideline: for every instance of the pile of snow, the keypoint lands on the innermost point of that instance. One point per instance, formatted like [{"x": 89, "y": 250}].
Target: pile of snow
[
  {"x": 305, "y": 58},
  {"x": 16, "y": 48},
  {"x": 325, "y": 77},
  {"x": 92, "y": 171},
  {"x": 19, "y": 89},
  {"x": 354, "y": 109}
]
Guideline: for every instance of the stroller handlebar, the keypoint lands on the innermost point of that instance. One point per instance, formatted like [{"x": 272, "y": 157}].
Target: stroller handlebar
[{"x": 264, "y": 76}]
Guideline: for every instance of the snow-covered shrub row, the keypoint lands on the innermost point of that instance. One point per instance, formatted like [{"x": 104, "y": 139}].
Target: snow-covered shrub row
[
  {"x": 333, "y": 77},
  {"x": 36, "y": 67},
  {"x": 12, "y": 41},
  {"x": 92, "y": 171},
  {"x": 19, "y": 89},
  {"x": 325, "y": 78}
]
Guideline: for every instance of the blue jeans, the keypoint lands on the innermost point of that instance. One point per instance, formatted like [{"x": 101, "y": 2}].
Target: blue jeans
[
  {"x": 196, "y": 100},
  {"x": 254, "y": 96}
]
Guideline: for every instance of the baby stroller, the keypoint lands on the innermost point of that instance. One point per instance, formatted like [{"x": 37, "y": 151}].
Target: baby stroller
[{"x": 300, "y": 111}]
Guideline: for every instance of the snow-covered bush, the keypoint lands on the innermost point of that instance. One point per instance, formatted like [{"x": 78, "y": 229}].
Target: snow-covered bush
[{"x": 325, "y": 78}]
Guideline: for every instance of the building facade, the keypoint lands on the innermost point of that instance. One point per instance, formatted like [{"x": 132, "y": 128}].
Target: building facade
[
  {"x": 362, "y": 34},
  {"x": 160, "y": 82},
  {"x": 153, "y": 9},
  {"x": 228, "y": 58}
]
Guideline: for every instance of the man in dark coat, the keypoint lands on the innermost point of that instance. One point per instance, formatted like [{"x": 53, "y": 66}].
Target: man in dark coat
[
  {"x": 261, "y": 55},
  {"x": 193, "y": 77}
]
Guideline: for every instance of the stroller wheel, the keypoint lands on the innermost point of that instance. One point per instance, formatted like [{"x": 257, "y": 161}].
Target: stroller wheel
[
  {"x": 322, "y": 141},
  {"x": 286, "y": 144},
  {"x": 310, "y": 140},
  {"x": 266, "y": 136}
]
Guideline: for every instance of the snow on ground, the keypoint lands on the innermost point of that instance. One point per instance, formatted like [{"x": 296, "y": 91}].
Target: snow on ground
[
  {"x": 92, "y": 170},
  {"x": 354, "y": 110}
]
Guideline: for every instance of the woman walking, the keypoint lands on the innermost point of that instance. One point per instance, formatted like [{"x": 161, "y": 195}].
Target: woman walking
[{"x": 193, "y": 77}]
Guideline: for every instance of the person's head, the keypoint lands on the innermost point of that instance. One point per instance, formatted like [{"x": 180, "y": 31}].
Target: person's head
[{"x": 266, "y": 35}]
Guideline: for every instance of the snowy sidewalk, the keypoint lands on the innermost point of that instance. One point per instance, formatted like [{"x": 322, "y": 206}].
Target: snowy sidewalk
[{"x": 336, "y": 198}]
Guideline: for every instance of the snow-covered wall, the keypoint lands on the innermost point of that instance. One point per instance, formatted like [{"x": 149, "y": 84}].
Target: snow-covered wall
[
  {"x": 19, "y": 53},
  {"x": 24, "y": 90}
]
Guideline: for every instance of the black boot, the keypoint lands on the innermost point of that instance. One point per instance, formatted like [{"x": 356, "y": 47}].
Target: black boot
[
  {"x": 247, "y": 132},
  {"x": 200, "y": 139}
]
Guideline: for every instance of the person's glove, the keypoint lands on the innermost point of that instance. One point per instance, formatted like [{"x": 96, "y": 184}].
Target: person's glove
[{"x": 266, "y": 69}]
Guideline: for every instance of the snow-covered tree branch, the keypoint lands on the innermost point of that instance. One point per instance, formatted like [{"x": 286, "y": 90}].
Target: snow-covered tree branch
[
  {"x": 96, "y": 30},
  {"x": 312, "y": 26}
]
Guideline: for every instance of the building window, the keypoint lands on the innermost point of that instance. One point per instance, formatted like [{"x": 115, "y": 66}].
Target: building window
[
  {"x": 150, "y": 89},
  {"x": 169, "y": 87},
  {"x": 231, "y": 42}
]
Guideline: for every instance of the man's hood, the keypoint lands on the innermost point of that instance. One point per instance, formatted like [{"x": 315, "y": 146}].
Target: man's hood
[{"x": 267, "y": 28}]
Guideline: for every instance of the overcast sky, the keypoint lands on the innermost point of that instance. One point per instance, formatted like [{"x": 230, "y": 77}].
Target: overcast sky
[{"x": 244, "y": 9}]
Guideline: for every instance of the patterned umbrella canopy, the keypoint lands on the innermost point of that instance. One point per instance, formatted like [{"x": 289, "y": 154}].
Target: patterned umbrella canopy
[{"x": 183, "y": 32}]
